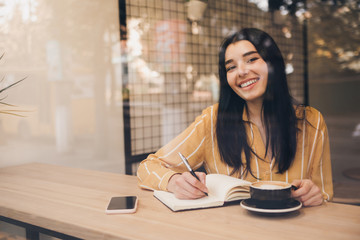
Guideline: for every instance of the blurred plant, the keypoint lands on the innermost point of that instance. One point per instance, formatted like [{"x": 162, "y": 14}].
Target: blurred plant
[
  {"x": 2, "y": 103},
  {"x": 334, "y": 35},
  {"x": 334, "y": 32},
  {"x": 290, "y": 7}
]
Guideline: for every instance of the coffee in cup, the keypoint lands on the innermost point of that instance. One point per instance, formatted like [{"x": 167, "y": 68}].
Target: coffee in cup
[{"x": 270, "y": 191}]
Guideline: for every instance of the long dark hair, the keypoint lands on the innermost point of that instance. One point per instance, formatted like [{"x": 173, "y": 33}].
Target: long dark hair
[{"x": 278, "y": 113}]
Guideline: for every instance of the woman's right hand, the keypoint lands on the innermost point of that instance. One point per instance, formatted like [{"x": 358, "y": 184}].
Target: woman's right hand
[{"x": 186, "y": 186}]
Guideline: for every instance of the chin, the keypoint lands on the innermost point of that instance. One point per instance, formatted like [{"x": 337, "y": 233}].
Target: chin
[{"x": 252, "y": 98}]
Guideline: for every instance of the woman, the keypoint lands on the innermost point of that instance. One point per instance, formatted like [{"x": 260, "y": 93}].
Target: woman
[{"x": 255, "y": 132}]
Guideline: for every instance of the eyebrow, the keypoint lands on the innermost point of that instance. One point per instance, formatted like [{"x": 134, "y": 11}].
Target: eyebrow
[{"x": 244, "y": 55}]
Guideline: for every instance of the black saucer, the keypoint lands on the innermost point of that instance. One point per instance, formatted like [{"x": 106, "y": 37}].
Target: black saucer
[{"x": 255, "y": 206}]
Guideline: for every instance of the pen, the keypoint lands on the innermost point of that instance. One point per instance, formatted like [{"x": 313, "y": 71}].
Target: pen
[{"x": 185, "y": 161}]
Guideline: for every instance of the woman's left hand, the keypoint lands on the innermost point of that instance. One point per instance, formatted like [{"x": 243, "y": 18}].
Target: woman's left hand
[{"x": 307, "y": 193}]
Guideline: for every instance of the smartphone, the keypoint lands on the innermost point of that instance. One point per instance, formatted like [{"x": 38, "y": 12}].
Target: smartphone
[{"x": 125, "y": 204}]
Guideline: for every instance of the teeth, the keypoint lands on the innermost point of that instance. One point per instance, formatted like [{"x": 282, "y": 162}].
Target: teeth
[{"x": 248, "y": 83}]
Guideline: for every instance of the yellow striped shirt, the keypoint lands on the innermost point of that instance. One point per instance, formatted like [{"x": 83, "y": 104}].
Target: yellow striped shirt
[{"x": 199, "y": 145}]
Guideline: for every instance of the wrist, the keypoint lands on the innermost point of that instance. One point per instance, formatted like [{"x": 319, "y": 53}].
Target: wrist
[{"x": 171, "y": 183}]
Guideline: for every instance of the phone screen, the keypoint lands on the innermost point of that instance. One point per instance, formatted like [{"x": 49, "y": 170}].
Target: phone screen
[{"x": 117, "y": 203}]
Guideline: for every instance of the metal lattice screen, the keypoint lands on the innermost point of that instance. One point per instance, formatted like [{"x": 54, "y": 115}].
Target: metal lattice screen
[{"x": 171, "y": 74}]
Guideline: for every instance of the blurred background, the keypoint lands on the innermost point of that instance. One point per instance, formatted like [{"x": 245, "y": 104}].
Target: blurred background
[{"x": 108, "y": 82}]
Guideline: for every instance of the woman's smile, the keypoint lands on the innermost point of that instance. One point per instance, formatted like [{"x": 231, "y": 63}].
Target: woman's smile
[{"x": 248, "y": 82}]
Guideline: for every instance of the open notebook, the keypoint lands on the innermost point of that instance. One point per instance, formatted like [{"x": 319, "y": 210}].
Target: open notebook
[{"x": 222, "y": 188}]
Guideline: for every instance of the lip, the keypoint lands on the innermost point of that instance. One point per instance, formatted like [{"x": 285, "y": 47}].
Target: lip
[{"x": 247, "y": 80}]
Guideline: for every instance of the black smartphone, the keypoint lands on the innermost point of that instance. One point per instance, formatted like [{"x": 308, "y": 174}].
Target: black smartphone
[{"x": 124, "y": 204}]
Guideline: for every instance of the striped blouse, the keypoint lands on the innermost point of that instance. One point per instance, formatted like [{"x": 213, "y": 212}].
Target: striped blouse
[{"x": 199, "y": 145}]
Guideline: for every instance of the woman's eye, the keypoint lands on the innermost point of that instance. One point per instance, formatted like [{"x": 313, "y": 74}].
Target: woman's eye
[
  {"x": 252, "y": 59},
  {"x": 230, "y": 68}
]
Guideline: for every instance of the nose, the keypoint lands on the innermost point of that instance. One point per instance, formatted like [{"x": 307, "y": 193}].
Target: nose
[{"x": 242, "y": 70}]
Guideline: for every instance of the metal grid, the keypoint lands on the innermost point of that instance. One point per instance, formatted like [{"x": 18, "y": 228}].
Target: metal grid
[{"x": 172, "y": 73}]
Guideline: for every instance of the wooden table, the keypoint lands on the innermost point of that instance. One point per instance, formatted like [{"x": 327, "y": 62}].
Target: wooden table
[{"x": 70, "y": 203}]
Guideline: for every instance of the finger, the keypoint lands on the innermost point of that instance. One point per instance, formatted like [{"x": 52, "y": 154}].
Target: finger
[
  {"x": 182, "y": 192},
  {"x": 303, "y": 188},
  {"x": 308, "y": 193},
  {"x": 314, "y": 201},
  {"x": 191, "y": 192},
  {"x": 176, "y": 185},
  {"x": 296, "y": 183},
  {"x": 190, "y": 186},
  {"x": 181, "y": 188},
  {"x": 202, "y": 177},
  {"x": 314, "y": 193},
  {"x": 195, "y": 182}
]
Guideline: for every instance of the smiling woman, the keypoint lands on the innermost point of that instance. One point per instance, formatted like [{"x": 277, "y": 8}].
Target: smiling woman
[
  {"x": 255, "y": 132},
  {"x": 267, "y": 103}
]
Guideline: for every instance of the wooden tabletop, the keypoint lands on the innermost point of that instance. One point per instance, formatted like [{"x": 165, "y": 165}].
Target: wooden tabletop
[{"x": 73, "y": 201}]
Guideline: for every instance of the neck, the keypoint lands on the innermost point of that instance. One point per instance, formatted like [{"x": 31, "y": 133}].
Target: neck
[{"x": 255, "y": 110}]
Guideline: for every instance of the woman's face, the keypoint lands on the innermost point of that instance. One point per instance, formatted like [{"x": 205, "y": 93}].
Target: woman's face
[{"x": 246, "y": 71}]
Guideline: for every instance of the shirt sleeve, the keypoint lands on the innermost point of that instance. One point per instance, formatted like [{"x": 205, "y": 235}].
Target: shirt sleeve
[
  {"x": 155, "y": 171},
  {"x": 321, "y": 173}
]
